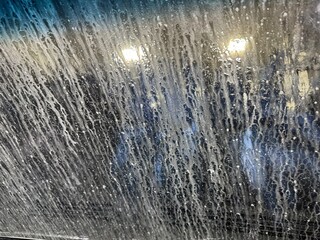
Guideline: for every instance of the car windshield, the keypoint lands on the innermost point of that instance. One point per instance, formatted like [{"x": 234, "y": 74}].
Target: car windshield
[{"x": 159, "y": 119}]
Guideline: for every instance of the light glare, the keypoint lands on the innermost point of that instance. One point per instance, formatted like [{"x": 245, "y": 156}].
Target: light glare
[
  {"x": 132, "y": 54},
  {"x": 237, "y": 45}
]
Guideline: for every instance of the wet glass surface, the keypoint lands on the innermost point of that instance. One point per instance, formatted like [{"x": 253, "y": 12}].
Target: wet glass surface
[{"x": 160, "y": 119}]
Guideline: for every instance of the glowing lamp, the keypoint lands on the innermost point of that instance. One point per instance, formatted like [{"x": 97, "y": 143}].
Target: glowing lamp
[
  {"x": 132, "y": 54},
  {"x": 237, "y": 45}
]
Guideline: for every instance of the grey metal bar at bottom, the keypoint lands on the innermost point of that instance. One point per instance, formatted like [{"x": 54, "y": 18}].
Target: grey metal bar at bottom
[
  {"x": 32, "y": 236},
  {"x": 17, "y": 238}
]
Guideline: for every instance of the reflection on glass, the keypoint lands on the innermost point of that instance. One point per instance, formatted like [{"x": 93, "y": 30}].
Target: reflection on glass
[
  {"x": 132, "y": 54},
  {"x": 237, "y": 45},
  {"x": 116, "y": 125}
]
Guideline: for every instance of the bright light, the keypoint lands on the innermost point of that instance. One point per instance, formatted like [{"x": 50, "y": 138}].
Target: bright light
[
  {"x": 132, "y": 54},
  {"x": 237, "y": 45}
]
